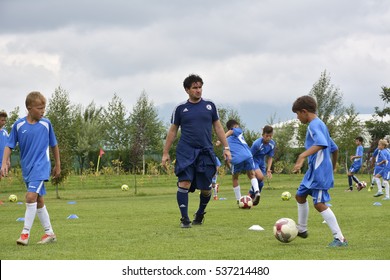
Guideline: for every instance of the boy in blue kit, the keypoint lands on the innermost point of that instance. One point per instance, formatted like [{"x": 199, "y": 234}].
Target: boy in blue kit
[
  {"x": 357, "y": 161},
  {"x": 377, "y": 158},
  {"x": 242, "y": 160},
  {"x": 195, "y": 158},
  {"x": 322, "y": 153},
  {"x": 34, "y": 134},
  {"x": 263, "y": 150},
  {"x": 384, "y": 173},
  {"x": 214, "y": 184},
  {"x": 3, "y": 136}
]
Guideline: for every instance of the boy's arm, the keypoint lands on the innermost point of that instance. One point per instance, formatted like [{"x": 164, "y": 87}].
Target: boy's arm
[
  {"x": 269, "y": 165},
  {"x": 6, "y": 161},
  {"x": 229, "y": 133},
  {"x": 222, "y": 138},
  {"x": 335, "y": 155},
  {"x": 301, "y": 158},
  {"x": 57, "y": 162}
]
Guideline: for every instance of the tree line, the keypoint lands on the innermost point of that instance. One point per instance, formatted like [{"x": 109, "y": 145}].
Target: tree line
[{"x": 133, "y": 140}]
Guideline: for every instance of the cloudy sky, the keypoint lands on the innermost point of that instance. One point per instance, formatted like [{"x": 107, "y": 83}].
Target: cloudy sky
[{"x": 255, "y": 56}]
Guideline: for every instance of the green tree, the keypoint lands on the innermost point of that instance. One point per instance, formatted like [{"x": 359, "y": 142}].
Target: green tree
[
  {"x": 330, "y": 106},
  {"x": 117, "y": 130},
  {"x": 378, "y": 127},
  {"x": 284, "y": 141},
  {"x": 60, "y": 113},
  {"x": 87, "y": 127},
  {"x": 346, "y": 130},
  {"x": 146, "y": 132},
  {"x": 12, "y": 117}
]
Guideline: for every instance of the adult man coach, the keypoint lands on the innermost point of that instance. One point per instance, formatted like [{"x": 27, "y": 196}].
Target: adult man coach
[{"x": 195, "y": 158}]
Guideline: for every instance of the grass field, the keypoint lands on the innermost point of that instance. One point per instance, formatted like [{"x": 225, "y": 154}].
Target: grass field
[{"x": 122, "y": 225}]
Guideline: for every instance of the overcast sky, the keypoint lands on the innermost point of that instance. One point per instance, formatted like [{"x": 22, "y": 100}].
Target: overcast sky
[{"x": 255, "y": 56}]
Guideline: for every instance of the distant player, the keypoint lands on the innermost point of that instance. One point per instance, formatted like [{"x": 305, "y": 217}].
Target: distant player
[
  {"x": 214, "y": 184},
  {"x": 242, "y": 160},
  {"x": 357, "y": 161},
  {"x": 383, "y": 160},
  {"x": 263, "y": 150},
  {"x": 3, "y": 136},
  {"x": 375, "y": 159}
]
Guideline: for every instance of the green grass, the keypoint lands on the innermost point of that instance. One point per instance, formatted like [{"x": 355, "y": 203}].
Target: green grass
[{"x": 122, "y": 225}]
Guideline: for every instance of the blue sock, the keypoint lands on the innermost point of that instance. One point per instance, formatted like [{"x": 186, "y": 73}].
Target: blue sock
[
  {"x": 182, "y": 201},
  {"x": 350, "y": 181},
  {"x": 355, "y": 179},
  {"x": 261, "y": 184},
  {"x": 204, "y": 200}
]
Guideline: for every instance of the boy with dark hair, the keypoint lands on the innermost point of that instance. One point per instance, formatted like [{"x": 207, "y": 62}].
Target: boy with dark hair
[
  {"x": 242, "y": 160},
  {"x": 321, "y": 152},
  {"x": 263, "y": 150},
  {"x": 357, "y": 161}
]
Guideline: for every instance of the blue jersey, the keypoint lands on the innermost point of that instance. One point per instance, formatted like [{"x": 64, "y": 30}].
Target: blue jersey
[
  {"x": 385, "y": 155},
  {"x": 34, "y": 141},
  {"x": 3, "y": 142},
  {"x": 196, "y": 122},
  {"x": 357, "y": 162},
  {"x": 376, "y": 155},
  {"x": 260, "y": 150},
  {"x": 238, "y": 147},
  {"x": 320, "y": 172}
]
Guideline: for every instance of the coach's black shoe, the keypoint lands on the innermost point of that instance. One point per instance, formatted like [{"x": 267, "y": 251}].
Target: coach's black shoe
[
  {"x": 185, "y": 222},
  {"x": 303, "y": 234},
  {"x": 198, "y": 219}
]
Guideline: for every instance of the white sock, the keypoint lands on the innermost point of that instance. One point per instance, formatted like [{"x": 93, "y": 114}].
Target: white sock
[
  {"x": 44, "y": 217},
  {"x": 29, "y": 216},
  {"x": 378, "y": 183},
  {"x": 237, "y": 192},
  {"x": 255, "y": 185},
  {"x": 303, "y": 216},
  {"x": 332, "y": 223},
  {"x": 214, "y": 190},
  {"x": 387, "y": 187}
]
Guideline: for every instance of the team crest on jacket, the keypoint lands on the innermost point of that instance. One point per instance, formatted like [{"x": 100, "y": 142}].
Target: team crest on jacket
[{"x": 208, "y": 106}]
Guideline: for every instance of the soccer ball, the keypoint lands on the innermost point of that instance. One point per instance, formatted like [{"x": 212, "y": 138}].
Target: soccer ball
[
  {"x": 125, "y": 188},
  {"x": 361, "y": 186},
  {"x": 286, "y": 196},
  {"x": 245, "y": 202},
  {"x": 13, "y": 198},
  {"x": 285, "y": 230}
]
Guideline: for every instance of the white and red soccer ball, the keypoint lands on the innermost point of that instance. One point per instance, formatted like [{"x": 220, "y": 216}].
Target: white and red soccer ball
[
  {"x": 361, "y": 185},
  {"x": 285, "y": 230},
  {"x": 245, "y": 202}
]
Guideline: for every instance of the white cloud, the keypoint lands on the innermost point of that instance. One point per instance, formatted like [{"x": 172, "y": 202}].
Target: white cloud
[{"x": 248, "y": 52}]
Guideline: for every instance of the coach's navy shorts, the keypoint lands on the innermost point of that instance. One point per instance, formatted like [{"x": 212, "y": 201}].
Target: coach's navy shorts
[{"x": 200, "y": 173}]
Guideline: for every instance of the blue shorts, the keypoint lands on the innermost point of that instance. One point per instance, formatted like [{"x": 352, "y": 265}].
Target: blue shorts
[
  {"x": 317, "y": 194},
  {"x": 385, "y": 173},
  {"x": 378, "y": 169},
  {"x": 200, "y": 173},
  {"x": 246, "y": 165},
  {"x": 355, "y": 168},
  {"x": 36, "y": 187}
]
